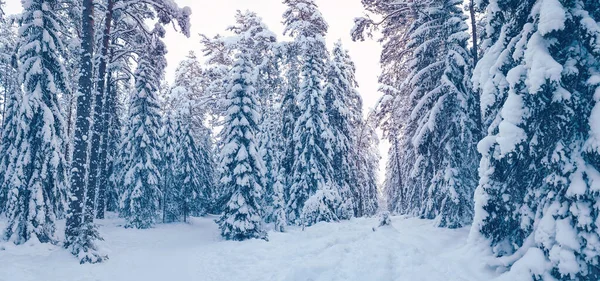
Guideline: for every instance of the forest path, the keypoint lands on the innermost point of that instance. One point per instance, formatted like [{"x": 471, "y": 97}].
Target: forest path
[{"x": 409, "y": 249}]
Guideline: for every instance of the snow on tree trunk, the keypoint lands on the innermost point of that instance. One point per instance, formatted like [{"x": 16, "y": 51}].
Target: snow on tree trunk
[{"x": 81, "y": 233}]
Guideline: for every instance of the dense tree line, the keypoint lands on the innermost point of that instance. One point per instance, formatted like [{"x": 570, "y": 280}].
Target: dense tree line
[
  {"x": 501, "y": 134},
  {"x": 264, "y": 132}
]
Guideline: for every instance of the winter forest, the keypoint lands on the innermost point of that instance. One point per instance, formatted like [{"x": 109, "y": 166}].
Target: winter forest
[{"x": 259, "y": 159}]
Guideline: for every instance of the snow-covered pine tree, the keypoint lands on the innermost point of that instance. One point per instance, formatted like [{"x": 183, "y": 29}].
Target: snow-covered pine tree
[
  {"x": 97, "y": 178},
  {"x": 344, "y": 112},
  {"x": 272, "y": 152},
  {"x": 278, "y": 207},
  {"x": 192, "y": 105},
  {"x": 253, "y": 35},
  {"x": 540, "y": 170},
  {"x": 219, "y": 61},
  {"x": 241, "y": 163},
  {"x": 366, "y": 155},
  {"x": 312, "y": 171},
  {"x": 364, "y": 150},
  {"x": 140, "y": 179},
  {"x": 261, "y": 44},
  {"x": 70, "y": 13},
  {"x": 10, "y": 91},
  {"x": 190, "y": 76},
  {"x": 171, "y": 190},
  {"x": 444, "y": 124},
  {"x": 195, "y": 174},
  {"x": 9, "y": 83},
  {"x": 111, "y": 139},
  {"x": 36, "y": 189},
  {"x": 442, "y": 128},
  {"x": 289, "y": 110}
]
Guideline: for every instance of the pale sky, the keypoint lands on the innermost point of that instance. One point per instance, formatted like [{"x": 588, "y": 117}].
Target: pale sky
[{"x": 214, "y": 16}]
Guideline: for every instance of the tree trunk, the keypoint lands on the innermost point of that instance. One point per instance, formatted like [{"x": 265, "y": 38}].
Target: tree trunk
[
  {"x": 80, "y": 153},
  {"x": 101, "y": 118},
  {"x": 474, "y": 32},
  {"x": 69, "y": 125},
  {"x": 399, "y": 183}
]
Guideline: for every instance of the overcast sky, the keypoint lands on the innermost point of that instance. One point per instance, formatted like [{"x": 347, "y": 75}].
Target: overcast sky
[{"x": 214, "y": 16}]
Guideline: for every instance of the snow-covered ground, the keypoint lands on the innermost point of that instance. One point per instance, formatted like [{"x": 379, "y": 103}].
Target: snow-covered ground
[{"x": 411, "y": 250}]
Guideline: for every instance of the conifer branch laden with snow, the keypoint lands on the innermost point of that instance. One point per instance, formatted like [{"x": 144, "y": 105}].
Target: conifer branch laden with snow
[{"x": 538, "y": 78}]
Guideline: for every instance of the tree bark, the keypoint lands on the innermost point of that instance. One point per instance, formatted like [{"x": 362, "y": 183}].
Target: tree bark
[
  {"x": 474, "y": 32},
  {"x": 100, "y": 131},
  {"x": 80, "y": 154}
]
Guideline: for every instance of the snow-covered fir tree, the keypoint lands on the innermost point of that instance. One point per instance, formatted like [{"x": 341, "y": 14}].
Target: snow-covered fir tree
[
  {"x": 241, "y": 164},
  {"x": 539, "y": 175},
  {"x": 190, "y": 77},
  {"x": 10, "y": 91},
  {"x": 170, "y": 188},
  {"x": 195, "y": 175},
  {"x": 111, "y": 140},
  {"x": 289, "y": 110},
  {"x": 261, "y": 44},
  {"x": 35, "y": 179},
  {"x": 253, "y": 35},
  {"x": 9, "y": 83},
  {"x": 272, "y": 153},
  {"x": 342, "y": 101},
  {"x": 140, "y": 179},
  {"x": 443, "y": 125},
  {"x": 192, "y": 107},
  {"x": 312, "y": 171}
]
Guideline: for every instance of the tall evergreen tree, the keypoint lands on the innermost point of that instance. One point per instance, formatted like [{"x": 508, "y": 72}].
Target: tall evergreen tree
[
  {"x": 141, "y": 195},
  {"x": 170, "y": 187},
  {"x": 194, "y": 175},
  {"x": 443, "y": 125},
  {"x": 289, "y": 111},
  {"x": 538, "y": 183},
  {"x": 10, "y": 92},
  {"x": 192, "y": 107},
  {"x": 344, "y": 111},
  {"x": 36, "y": 175},
  {"x": 312, "y": 167},
  {"x": 241, "y": 163},
  {"x": 190, "y": 77}
]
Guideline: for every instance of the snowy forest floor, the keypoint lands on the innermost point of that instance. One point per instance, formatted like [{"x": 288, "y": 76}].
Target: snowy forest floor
[{"x": 411, "y": 249}]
